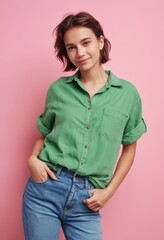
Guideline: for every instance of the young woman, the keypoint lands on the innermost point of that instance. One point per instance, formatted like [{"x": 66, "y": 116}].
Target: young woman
[{"x": 87, "y": 117}]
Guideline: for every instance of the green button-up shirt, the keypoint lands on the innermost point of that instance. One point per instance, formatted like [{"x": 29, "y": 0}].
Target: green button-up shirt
[{"x": 84, "y": 134}]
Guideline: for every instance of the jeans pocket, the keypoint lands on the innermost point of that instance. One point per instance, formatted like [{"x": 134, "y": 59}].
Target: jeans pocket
[
  {"x": 89, "y": 193},
  {"x": 42, "y": 182},
  {"x": 89, "y": 189}
]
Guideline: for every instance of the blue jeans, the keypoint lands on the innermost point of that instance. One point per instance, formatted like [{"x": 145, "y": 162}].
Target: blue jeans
[{"x": 55, "y": 203}]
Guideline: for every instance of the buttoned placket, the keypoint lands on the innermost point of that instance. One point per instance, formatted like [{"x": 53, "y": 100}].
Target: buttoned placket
[
  {"x": 87, "y": 129},
  {"x": 87, "y": 125}
]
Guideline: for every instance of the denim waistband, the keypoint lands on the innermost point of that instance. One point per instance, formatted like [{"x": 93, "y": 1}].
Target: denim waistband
[{"x": 73, "y": 175}]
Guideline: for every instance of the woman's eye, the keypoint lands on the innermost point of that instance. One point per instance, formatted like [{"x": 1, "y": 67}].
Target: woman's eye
[
  {"x": 71, "y": 48},
  {"x": 86, "y": 43}
]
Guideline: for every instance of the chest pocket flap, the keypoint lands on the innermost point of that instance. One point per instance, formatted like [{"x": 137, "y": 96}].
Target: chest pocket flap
[{"x": 113, "y": 123}]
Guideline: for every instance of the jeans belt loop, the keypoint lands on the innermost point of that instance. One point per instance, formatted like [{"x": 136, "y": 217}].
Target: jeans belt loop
[
  {"x": 58, "y": 171},
  {"x": 87, "y": 183}
]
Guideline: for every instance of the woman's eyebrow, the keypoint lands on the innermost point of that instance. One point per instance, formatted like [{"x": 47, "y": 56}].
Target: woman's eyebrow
[{"x": 82, "y": 40}]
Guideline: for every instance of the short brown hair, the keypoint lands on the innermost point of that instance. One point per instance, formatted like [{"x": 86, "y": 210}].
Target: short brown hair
[{"x": 80, "y": 19}]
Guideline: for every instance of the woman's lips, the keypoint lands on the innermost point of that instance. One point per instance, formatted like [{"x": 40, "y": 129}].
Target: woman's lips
[{"x": 83, "y": 61}]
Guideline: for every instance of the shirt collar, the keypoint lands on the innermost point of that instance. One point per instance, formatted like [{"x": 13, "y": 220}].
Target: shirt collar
[
  {"x": 113, "y": 80},
  {"x": 74, "y": 77}
]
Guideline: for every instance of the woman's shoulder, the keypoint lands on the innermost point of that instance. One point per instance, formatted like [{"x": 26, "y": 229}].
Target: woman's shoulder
[
  {"x": 126, "y": 87},
  {"x": 125, "y": 84},
  {"x": 59, "y": 81},
  {"x": 129, "y": 85}
]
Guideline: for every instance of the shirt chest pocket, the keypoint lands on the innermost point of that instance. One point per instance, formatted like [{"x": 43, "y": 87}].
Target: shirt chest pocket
[{"x": 113, "y": 123}]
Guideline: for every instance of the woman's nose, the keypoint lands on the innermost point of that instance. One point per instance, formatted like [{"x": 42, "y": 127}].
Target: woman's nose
[{"x": 80, "y": 51}]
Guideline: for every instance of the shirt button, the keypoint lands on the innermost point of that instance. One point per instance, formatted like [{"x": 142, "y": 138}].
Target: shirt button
[
  {"x": 82, "y": 162},
  {"x": 86, "y": 146},
  {"x": 87, "y": 126},
  {"x": 89, "y": 108}
]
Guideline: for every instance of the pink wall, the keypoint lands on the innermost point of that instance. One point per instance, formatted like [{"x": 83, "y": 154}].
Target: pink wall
[{"x": 28, "y": 66}]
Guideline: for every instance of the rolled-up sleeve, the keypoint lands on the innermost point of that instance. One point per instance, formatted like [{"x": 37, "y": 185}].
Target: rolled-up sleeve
[
  {"x": 43, "y": 129},
  {"x": 136, "y": 125},
  {"x": 45, "y": 121},
  {"x": 135, "y": 133}
]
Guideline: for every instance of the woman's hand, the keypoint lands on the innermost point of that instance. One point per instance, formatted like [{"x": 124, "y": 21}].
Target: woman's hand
[
  {"x": 39, "y": 170},
  {"x": 98, "y": 200}
]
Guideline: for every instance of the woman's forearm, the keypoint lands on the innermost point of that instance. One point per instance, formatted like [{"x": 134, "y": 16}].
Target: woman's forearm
[
  {"x": 101, "y": 196},
  {"x": 123, "y": 166},
  {"x": 38, "y": 146}
]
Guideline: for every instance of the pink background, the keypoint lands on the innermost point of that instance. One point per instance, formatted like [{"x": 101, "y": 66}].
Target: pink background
[{"x": 28, "y": 66}]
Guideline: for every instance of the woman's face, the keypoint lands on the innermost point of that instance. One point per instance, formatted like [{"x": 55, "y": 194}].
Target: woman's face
[{"x": 83, "y": 47}]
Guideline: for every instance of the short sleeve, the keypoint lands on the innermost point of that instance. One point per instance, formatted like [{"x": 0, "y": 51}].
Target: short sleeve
[
  {"x": 136, "y": 125},
  {"x": 45, "y": 120}
]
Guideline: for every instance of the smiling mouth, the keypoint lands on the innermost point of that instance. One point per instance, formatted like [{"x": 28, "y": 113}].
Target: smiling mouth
[{"x": 83, "y": 61}]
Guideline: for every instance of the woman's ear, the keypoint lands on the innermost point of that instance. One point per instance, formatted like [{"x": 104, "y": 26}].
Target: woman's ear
[{"x": 101, "y": 42}]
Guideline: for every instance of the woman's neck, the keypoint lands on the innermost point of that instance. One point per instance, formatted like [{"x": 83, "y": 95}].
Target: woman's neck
[{"x": 98, "y": 76}]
